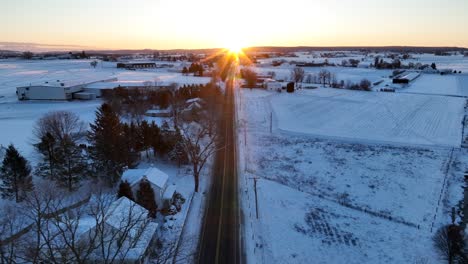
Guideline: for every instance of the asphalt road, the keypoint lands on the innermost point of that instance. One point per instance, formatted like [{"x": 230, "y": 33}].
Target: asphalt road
[{"x": 219, "y": 239}]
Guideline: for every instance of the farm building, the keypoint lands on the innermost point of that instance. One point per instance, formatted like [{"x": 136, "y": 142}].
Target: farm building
[
  {"x": 54, "y": 90},
  {"x": 98, "y": 87},
  {"x": 154, "y": 176},
  {"x": 159, "y": 113},
  {"x": 272, "y": 85},
  {"x": 406, "y": 78},
  {"x": 136, "y": 65}
]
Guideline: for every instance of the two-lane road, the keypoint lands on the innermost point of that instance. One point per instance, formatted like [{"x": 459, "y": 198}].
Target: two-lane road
[{"x": 219, "y": 240}]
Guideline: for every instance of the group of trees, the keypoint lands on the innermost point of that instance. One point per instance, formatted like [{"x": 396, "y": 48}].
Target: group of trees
[
  {"x": 324, "y": 77},
  {"x": 250, "y": 76},
  {"x": 379, "y": 63},
  {"x": 195, "y": 68},
  {"x": 297, "y": 75},
  {"x": 27, "y": 55},
  {"x": 350, "y": 63}
]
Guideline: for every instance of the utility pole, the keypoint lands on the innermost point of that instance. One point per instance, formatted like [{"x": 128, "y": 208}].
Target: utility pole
[
  {"x": 256, "y": 198},
  {"x": 271, "y": 122}
]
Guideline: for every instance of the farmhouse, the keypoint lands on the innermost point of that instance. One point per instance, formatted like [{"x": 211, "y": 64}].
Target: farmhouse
[
  {"x": 55, "y": 90},
  {"x": 154, "y": 176},
  {"x": 136, "y": 65},
  {"x": 406, "y": 78}
]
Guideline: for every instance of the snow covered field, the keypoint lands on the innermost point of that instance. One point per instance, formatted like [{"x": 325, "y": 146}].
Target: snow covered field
[
  {"x": 455, "y": 84},
  {"x": 347, "y": 176},
  {"x": 369, "y": 117},
  {"x": 318, "y": 231},
  {"x": 18, "y": 118},
  {"x": 14, "y": 73}
]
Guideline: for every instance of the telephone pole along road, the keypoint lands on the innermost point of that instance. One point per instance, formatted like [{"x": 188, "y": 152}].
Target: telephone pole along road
[{"x": 219, "y": 239}]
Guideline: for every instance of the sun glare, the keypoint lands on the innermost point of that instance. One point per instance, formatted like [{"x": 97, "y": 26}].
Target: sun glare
[{"x": 234, "y": 48}]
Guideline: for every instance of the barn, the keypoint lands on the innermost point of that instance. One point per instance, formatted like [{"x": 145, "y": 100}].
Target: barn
[{"x": 406, "y": 78}]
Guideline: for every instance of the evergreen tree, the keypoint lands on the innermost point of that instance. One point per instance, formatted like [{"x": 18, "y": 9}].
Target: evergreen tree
[
  {"x": 15, "y": 175},
  {"x": 125, "y": 190},
  {"x": 108, "y": 150},
  {"x": 72, "y": 164},
  {"x": 145, "y": 197},
  {"x": 146, "y": 136},
  {"x": 48, "y": 167},
  {"x": 178, "y": 153}
]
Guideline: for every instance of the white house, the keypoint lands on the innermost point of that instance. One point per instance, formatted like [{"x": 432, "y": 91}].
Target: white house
[{"x": 156, "y": 178}]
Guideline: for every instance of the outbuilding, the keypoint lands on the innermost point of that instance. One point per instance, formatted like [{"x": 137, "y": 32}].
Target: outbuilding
[
  {"x": 157, "y": 179},
  {"x": 406, "y": 78}
]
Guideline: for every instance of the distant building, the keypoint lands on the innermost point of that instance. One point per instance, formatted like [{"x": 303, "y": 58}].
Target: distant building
[
  {"x": 406, "y": 78},
  {"x": 159, "y": 113},
  {"x": 272, "y": 85},
  {"x": 54, "y": 90},
  {"x": 156, "y": 178},
  {"x": 98, "y": 87},
  {"x": 136, "y": 65}
]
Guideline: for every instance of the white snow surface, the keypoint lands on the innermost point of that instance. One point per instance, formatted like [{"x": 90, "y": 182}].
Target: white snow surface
[
  {"x": 370, "y": 117},
  {"x": 339, "y": 192}
]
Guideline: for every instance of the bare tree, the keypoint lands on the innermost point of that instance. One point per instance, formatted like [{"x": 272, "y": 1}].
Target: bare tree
[
  {"x": 61, "y": 124},
  {"x": 10, "y": 224},
  {"x": 94, "y": 63},
  {"x": 59, "y": 135},
  {"x": 77, "y": 232},
  {"x": 297, "y": 75},
  {"x": 200, "y": 142},
  {"x": 173, "y": 252},
  {"x": 324, "y": 76},
  {"x": 449, "y": 242},
  {"x": 38, "y": 209}
]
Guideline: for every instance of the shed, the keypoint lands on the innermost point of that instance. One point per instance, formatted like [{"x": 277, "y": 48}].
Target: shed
[{"x": 157, "y": 179}]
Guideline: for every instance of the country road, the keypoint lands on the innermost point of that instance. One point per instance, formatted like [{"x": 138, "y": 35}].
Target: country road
[{"x": 220, "y": 235}]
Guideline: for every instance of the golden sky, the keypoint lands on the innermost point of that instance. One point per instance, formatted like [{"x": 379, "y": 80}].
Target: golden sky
[{"x": 170, "y": 24}]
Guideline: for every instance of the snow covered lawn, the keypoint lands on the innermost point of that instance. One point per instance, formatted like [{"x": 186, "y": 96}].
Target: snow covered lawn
[{"x": 371, "y": 117}]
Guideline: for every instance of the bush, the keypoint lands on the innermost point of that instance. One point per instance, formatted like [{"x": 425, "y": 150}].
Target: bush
[{"x": 365, "y": 85}]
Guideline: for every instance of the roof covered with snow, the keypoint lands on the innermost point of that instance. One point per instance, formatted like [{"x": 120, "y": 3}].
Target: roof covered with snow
[
  {"x": 153, "y": 175},
  {"x": 169, "y": 193},
  {"x": 125, "y": 211}
]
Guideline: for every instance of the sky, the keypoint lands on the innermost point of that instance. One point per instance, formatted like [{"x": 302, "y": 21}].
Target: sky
[{"x": 171, "y": 24}]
